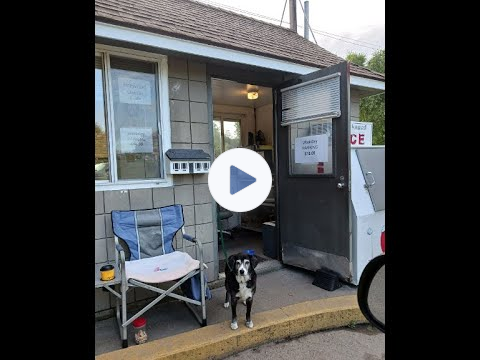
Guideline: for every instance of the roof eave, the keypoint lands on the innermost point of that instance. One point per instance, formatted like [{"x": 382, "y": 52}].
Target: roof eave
[{"x": 136, "y": 34}]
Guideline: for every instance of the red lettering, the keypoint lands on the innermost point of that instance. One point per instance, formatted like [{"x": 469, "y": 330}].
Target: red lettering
[
  {"x": 353, "y": 140},
  {"x": 361, "y": 139}
]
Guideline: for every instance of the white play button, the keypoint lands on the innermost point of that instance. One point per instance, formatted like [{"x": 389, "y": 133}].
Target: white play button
[{"x": 240, "y": 180}]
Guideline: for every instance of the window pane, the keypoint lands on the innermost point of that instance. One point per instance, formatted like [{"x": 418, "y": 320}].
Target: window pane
[
  {"x": 313, "y": 141},
  {"x": 136, "y": 118},
  {"x": 217, "y": 138},
  {"x": 101, "y": 143},
  {"x": 231, "y": 134}
]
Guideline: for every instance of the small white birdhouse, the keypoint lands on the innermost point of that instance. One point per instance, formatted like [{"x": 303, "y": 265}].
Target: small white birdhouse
[{"x": 187, "y": 161}]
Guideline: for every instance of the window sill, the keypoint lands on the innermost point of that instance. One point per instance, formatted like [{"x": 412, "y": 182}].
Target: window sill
[{"x": 132, "y": 185}]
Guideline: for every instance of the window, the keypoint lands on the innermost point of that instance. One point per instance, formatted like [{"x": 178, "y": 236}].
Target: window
[
  {"x": 128, "y": 118},
  {"x": 226, "y": 134},
  {"x": 101, "y": 144},
  {"x": 313, "y": 142}
]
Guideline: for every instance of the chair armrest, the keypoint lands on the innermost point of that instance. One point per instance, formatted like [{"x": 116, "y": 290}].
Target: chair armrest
[
  {"x": 198, "y": 243},
  {"x": 119, "y": 252},
  {"x": 120, "y": 261},
  {"x": 189, "y": 238}
]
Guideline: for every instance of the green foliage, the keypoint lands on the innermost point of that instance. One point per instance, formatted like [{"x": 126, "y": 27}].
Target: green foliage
[
  {"x": 377, "y": 62},
  {"x": 231, "y": 136},
  {"x": 98, "y": 130},
  {"x": 217, "y": 138},
  {"x": 372, "y": 108},
  {"x": 352, "y": 324},
  {"x": 356, "y": 58}
]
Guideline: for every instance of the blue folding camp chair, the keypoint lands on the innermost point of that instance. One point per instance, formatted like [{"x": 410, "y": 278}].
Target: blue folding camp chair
[{"x": 153, "y": 259}]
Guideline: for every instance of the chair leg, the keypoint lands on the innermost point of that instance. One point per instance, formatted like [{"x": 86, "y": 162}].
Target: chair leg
[
  {"x": 203, "y": 294},
  {"x": 118, "y": 314},
  {"x": 119, "y": 306},
  {"x": 124, "y": 316}
]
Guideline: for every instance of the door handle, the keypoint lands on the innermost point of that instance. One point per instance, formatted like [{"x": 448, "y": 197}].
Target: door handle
[
  {"x": 340, "y": 185},
  {"x": 367, "y": 175}
]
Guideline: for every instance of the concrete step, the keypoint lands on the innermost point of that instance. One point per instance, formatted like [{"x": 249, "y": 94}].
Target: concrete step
[{"x": 218, "y": 340}]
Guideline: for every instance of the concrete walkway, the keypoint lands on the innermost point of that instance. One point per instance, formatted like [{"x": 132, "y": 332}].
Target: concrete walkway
[{"x": 275, "y": 290}]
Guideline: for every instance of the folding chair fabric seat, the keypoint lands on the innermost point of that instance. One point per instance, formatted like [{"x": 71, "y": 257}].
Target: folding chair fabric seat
[{"x": 163, "y": 268}]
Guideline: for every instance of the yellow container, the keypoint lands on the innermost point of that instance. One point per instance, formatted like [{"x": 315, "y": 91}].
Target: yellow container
[{"x": 107, "y": 272}]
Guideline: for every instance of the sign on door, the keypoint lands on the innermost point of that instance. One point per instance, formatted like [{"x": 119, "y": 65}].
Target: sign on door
[{"x": 311, "y": 149}]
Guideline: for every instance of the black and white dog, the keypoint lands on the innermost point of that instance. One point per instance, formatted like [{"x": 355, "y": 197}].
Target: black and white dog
[{"x": 240, "y": 284}]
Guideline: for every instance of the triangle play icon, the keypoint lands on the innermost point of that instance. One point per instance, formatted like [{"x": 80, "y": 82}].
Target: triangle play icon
[{"x": 239, "y": 180}]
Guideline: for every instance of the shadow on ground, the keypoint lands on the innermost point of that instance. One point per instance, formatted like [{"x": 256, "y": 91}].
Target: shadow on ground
[{"x": 275, "y": 289}]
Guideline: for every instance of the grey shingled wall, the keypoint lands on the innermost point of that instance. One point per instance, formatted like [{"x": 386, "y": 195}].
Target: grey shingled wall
[{"x": 190, "y": 129}]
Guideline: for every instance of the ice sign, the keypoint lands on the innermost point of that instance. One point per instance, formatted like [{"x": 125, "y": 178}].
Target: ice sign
[
  {"x": 361, "y": 133},
  {"x": 134, "y": 91}
]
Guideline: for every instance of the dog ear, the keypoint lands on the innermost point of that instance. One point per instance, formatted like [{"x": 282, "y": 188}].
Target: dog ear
[
  {"x": 253, "y": 260},
  {"x": 231, "y": 261}
]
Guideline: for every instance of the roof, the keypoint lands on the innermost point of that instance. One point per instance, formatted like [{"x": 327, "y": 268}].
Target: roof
[
  {"x": 211, "y": 25},
  {"x": 187, "y": 154}
]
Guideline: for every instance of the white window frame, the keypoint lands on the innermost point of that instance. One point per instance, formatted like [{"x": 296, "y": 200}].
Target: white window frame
[
  {"x": 163, "y": 123},
  {"x": 222, "y": 117}
]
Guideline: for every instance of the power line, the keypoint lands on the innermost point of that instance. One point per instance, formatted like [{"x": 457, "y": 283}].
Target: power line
[
  {"x": 345, "y": 37},
  {"x": 237, "y": 10},
  {"x": 350, "y": 42},
  {"x": 320, "y": 32}
]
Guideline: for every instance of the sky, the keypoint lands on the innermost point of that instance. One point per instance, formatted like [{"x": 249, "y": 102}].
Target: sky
[{"x": 344, "y": 25}]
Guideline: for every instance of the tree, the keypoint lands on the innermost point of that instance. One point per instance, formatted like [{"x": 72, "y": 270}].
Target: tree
[
  {"x": 356, "y": 58},
  {"x": 232, "y": 135},
  {"x": 372, "y": 108},
  {"x": 377, "y": 62},
  {"x": 217, "y": 138}
]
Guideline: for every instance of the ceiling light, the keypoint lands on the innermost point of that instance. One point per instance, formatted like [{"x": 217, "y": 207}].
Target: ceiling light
[{"x": 252, "y": 95}]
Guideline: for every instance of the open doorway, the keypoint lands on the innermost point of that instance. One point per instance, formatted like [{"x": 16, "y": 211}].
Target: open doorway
[{"x": 243, "y": 118}]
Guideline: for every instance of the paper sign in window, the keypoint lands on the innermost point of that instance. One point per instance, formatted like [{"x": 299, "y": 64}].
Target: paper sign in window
[
  {"x": 311, "y": 149},
  {"x": 134, "y": 91},
  {"x": 136, "y": 140}
]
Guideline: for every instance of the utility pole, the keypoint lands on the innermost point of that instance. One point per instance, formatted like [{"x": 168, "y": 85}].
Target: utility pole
[
  {"x": 306, "y": 27},
  {"x": 292, "y": 8}
]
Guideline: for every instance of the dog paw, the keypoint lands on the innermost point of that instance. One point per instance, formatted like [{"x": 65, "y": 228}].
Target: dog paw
[
  {"x": 226, "y": 305},
  {"x": 249, "y": 324},
  {"x": 244, "y": 303},
  {"x": 234, "y": 325}
]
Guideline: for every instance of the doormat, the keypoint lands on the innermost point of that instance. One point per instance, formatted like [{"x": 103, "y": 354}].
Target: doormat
[{"x": 222, "y": 263}]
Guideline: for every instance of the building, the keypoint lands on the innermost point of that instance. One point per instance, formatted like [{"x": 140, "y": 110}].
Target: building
[{"x": 174, "y": 74}]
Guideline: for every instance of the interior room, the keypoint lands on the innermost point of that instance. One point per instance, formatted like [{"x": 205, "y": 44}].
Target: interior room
[{"x": 243, "y": 118}]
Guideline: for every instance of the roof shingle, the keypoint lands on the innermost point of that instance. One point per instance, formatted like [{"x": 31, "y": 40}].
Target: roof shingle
[
  {"x": 211, "y": 25},
  {"x": 187, "y": 154}
]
